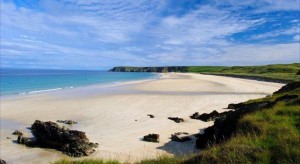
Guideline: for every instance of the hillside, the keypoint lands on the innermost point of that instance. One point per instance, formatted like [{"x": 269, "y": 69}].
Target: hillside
[
  {"x": 277, "y": 72},
  {"x": 150, "y": 69}
]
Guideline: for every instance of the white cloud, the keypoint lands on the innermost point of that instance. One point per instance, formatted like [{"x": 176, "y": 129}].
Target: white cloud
[
  {"x": 260, "y": 54},
  {"x": 297, "y": 38},
  {"x": 204, "y": 26},
  {"x": 108, "y": 33},
  {"x": 275, "y": 33}
]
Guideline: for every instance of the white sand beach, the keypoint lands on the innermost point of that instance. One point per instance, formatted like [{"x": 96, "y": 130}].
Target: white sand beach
[{"x": 115, "y": 116}]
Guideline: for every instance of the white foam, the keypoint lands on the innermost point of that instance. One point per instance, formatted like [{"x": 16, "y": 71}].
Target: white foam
[{"x": 46, "y": 90}]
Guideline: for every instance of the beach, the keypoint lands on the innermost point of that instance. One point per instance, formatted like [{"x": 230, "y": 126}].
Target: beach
[{"x": 115, "y": 116}]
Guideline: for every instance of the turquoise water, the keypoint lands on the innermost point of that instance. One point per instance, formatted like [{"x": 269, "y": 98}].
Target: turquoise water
[{"x": 17, "y": 81}]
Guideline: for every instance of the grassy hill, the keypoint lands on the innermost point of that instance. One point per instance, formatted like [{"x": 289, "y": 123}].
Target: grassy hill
[{"x": 275, "y": 72}]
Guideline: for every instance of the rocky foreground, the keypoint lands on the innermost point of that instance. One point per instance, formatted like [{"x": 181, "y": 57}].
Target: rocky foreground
[
  {"x": 50, "y": 135},
  {"x": 225, "y": 124}
]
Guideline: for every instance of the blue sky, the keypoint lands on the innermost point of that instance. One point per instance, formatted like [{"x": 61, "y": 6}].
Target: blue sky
[{"x": 100, "y": 34}]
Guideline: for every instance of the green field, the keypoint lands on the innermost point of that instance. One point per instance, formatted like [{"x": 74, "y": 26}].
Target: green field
[{"x": 281, "y": 72}]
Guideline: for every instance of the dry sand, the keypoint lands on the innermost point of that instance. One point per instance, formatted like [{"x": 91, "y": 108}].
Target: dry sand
[{"x": 107, "y": 114}]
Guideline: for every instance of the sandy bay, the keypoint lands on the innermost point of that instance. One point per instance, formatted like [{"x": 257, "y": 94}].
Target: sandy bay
[{"x": 115, "y": 116}]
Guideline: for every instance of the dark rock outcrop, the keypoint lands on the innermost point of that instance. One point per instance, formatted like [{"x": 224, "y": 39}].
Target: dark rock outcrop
[
  {"x": 226, "y": 125},
  {"x": 16, "y": 132},
  {"x": 2, "y": 161},
  {"x": 150, "y": 69},
  {"x": 151, "y": 115},
  {"x": 234, "y": 106},
  {"x": 180, "y": 137},
  {"x": 69, "y": 122},
  {"x": 51, "y": 135},
  {"x": 176, "y": 119},
  {"x": 288, "y": 87},
  {"x": 208, "y": 117},
  {"x": 151, "y": 138},
  {"x": 26, "y": 141}
]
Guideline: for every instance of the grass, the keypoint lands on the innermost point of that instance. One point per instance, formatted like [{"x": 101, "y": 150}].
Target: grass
[
  {"x": 284, "y": 72},
  {"x": 203, "y": 69}
]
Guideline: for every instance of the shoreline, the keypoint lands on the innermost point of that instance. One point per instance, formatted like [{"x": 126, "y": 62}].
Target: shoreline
[
  {"x": 107, "y": 114},
  {"x": 52, "y": 91},
  {"x": 154, "y": 76}
]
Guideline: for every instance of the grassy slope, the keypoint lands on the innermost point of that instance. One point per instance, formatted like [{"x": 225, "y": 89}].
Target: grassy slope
[
  {"x": 276, "y": 71},
  {"x": 271, "y": 135},
  {"x": 266, "y": 136}
]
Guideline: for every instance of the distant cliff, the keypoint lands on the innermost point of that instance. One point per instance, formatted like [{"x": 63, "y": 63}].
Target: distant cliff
[{"x": 150, "y": 69}]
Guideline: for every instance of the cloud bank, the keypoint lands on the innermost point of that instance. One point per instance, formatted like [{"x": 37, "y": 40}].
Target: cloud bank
[{"x": 92, "y": 34}]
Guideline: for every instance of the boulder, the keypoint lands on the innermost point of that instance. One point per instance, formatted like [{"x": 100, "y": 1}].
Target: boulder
[
  {"x": 150, "y": 115},
  {"x": 26, "y": 141},
  {"x": 151, "y": 138},
  {"x": 18, "y": 133},
  {"x": 176, "y": 119},
  {"x": 51, "y": 135},
  {"x": 195, "y": 115},
  {"x": 234, "y": 106},
  {"x": 2, "y": 161},
  {"x": 180, "y": 137},
  {"x": 208, "y": 116}
]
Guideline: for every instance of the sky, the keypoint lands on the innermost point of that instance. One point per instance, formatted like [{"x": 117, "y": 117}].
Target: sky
[{"x": 100, "y": 34}]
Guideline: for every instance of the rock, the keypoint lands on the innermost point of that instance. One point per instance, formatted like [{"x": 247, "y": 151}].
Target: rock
[
  {"x": 180, "y": 137},
  {"x": 151, "y": 138},
  {"x": 2, "y": 161},
  {"x": 176, "y": 119},
  {"x": 69, "y": 122},
  {"x": 288, "y": 87},
  {"x": 234, "y": 106},
  {"x": 195, "y": 115},
  {"x": 204, "y": 140},
  {"x": 16, "y": 132},
  {"x": 208, "y": 117},
  {"x": 71, "y": 142},
  {"x": 26, "y": 141},
  {"x": 226, "y": 124},
  {"x": 150, "y": 115}
]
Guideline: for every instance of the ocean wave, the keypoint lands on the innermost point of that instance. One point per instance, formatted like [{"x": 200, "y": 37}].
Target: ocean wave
[{"x": 40, "y": 91}]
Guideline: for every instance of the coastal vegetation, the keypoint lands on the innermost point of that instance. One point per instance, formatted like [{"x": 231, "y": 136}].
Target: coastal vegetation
[
  {"x": 265, "y": 130},
  {"x": 276, "y": 72}
]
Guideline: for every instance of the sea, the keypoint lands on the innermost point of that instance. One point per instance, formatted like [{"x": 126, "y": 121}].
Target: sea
[{"x": 31, "y": 81}]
